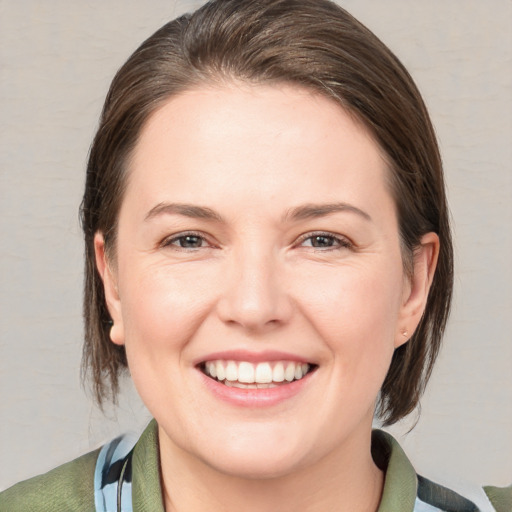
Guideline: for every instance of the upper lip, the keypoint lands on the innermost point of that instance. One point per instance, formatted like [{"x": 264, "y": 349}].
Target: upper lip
[{"x": 252, "y": 356}]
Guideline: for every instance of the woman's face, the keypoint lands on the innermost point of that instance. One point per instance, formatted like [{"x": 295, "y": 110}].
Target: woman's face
[{"x": 258, "y": 239}]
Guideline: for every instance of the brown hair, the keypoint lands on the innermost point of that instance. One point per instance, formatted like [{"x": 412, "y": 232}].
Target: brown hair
[{"x": 311, "y": 43}]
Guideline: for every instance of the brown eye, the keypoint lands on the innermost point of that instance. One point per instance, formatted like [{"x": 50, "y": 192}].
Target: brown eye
[
  {"x": 325, "y": 241},
  {"x": 186, "y": 241},
  {"x": 322, "y": 241},
  {"x": 190, "y": 241}
]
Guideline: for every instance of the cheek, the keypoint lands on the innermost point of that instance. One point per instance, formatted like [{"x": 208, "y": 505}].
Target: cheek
[
  {"x": 353, "y": 298},
  {"x": 355, "y": 311},
  {"x": 162, "y": 311},
  {"x": 162, "y": 306}
]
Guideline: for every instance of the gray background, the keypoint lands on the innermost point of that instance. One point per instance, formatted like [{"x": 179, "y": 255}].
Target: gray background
[{"x": 56, "y": 61}]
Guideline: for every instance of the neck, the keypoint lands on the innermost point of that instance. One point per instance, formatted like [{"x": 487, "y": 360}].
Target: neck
[{"x": 340, "y": 481}]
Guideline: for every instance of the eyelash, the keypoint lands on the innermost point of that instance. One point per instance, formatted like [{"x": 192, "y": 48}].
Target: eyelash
[
  {"x": 175, "y": 238},
  {"x": 339, "y": 242}
]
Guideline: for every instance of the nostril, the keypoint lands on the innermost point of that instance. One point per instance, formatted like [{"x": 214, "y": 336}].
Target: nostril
[{"x": 254, "y": 299}]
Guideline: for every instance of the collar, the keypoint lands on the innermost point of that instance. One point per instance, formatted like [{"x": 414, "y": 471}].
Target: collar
[
  {"x": 147, "y": 492},
  {"x": 398, "y": 495},
  {"x": 400, "y": 481}
]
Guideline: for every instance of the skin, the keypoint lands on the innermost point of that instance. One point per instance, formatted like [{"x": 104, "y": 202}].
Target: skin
[{"x": 255, "y": 281}]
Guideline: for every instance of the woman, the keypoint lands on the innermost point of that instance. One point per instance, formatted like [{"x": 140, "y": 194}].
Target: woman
[{"x": 268, "y": 252}]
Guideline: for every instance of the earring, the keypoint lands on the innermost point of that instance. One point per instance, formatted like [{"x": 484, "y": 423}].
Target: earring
[
  {"x": 116, "y": 333},
  {"x": 110, "y": 324},
  {"x": 405, "y": 333}
]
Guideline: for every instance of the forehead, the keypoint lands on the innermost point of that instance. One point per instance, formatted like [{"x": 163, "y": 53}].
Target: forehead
[{"x": 281, "y": 141}]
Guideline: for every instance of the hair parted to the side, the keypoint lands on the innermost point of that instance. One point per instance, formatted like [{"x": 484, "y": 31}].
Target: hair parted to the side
[{"x": 311, "y": 43}]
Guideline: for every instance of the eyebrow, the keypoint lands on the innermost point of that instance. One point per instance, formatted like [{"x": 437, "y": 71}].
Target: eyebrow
[
  {"x": 187, "y": 210},
  {"x": 303, "y": 212},
  {"x": 311, "y": 211}
]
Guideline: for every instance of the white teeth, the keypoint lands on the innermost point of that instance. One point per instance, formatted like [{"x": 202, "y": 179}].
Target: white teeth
[
  {"x": 231, "y": 371},
  {"x": 221, "y": 373},
  {"x": 266, "y": 386},
  {"x": 289, "y": 373},
  {"x": 246, "y": 373},
  {"x": 248, "y": 386},
  {"x": 278, "y": 373},
  {"x": 262, "y": 375}
]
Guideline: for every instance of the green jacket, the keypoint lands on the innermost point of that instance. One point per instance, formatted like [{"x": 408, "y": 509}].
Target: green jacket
[{"x": 71, "y": 487}]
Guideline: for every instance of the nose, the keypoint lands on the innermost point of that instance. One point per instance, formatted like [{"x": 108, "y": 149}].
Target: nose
[{"x": 254, "y": 295}]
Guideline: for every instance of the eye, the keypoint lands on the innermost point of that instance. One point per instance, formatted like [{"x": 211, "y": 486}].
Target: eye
[
  {"x": 190, "y": 241},
  {"x": 324, "y": 241}
]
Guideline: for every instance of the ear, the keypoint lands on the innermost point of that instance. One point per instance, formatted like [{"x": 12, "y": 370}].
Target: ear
[
  {"x": 111, "y": 290},
  {"x": 416, "y": 287}
]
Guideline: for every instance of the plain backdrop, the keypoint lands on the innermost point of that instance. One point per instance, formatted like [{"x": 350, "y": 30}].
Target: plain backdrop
[{"x": 56, "y": 61}]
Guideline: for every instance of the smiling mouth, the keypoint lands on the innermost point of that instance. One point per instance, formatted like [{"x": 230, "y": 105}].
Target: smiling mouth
[{"x": 264, "y": 375}]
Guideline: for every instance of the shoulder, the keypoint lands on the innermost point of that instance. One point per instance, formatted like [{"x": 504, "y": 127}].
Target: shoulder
[
  {"x": 68, "y": 487},
  {"x": 404, "y": 490},
  {"x": 501, "y": 497},
  {"x": 455, "y": 496},
  {"x": 99, "y": 480}
]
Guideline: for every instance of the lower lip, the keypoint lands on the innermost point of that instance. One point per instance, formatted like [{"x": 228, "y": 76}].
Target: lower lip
[{"x": 252, "y": 398}]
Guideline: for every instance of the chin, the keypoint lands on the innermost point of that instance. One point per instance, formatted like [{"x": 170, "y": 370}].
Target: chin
[
  {"x": 260, "y": 467},
  {"x": 263, "y": 456}
]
